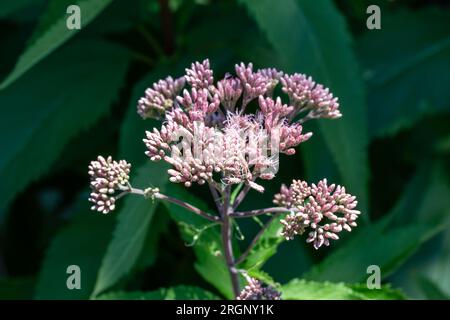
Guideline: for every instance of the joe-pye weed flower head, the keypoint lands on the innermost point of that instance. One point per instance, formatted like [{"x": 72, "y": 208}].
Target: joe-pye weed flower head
[
  {"x": 250, "y": 142},
  {"x": 324, "y": 210},
  {"x": 228, "y": 135}
]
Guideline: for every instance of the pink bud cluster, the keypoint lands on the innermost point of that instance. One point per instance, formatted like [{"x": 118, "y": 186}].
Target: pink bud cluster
[
  {"x": 247, "y": 143},
  {"x": 255, "y": 290},
  {"x": 274, "y": 77},
  {"x": 306, "y": 95},
  {"x": 160, "y": 97},
  {"x": 107, "y": 176},
  {"x": 254, "y": 83},
  {"x": 324, "y": 210},
  {"x": 199, "y": 103},
  {"x": 200, "y": 75},
  {"x": 229, "y": 91}
]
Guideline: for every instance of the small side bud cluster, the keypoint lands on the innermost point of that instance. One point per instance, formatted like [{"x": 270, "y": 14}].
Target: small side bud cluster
[
  {"x": 324, "y": 210},
  {"x": 254, "y": 290},
  {"x": 306, "y": 95},
  {"x": 107, "y": 177}
]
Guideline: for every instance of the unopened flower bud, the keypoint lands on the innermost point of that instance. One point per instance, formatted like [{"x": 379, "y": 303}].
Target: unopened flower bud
[{"x": 107, "y": 176}]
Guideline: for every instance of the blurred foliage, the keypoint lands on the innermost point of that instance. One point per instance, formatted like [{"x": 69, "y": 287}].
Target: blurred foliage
[
  {"x": 68, "y": 95},
  {"x": 176, "y": 293}
]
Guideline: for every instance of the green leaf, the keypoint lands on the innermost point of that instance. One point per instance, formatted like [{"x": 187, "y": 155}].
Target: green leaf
[
  {"x": 311, "y": 37},
  {"x": 10, "y": 7},
  {"x": 384, "y": 293},
  {"x": 437, "y": 270},
  {"x": 310, "y": 290},
  {"x": 174, "y": 293},
  {"x": 425, "y": 199},
  {"x": 443, "y": 144},
  {"x": 130, "y": 234},
  {"x": 52, "y": 32},
  {"x": 293, "y": 258},
  {"x": 316, "y": 158},
  {"x": 373, "y": 245},
  {"x": 50, "y": 105},
  {"x": 262, "y": 276},
  {"x": 158, "y": 226},
  {"x": 405, "y": 78},
  {"x": 206, "y": 243},
  {"x": 82, "y": 242},
  {"x": 266, "y": 246},
  {"x": 406, "y": 209},
  {"x": 431, "y": 289}
]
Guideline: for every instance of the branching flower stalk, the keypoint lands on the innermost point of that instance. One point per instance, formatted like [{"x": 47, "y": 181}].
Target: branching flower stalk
[{"x": 228, "y": 135}]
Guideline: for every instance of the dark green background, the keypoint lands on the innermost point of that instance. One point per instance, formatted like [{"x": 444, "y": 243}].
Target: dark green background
[{"x": 67, "y": 96}]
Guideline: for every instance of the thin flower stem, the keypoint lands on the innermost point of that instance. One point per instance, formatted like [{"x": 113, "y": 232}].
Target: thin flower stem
[
  {"x": 226, "y": 232},
  {"x": 308, "y": 117},
  {"x": 215, "y": 195},
  {"x": 257, "y": 212},
  {"x": 188, "y": 206},
  {"x": 236, "y": 192},
  {"x": 256, "y": 238},
  {"x": 241, "y": 196},
  {"x": 167, "y": 26},
  {"x": 216, "y": 186},
  {"x": 180, "y": 203},
  {"x": 150, "y": 40}
]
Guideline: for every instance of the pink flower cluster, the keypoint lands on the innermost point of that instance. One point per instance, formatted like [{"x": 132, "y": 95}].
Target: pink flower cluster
[
  {"x": 206, "y": 130},
  {"x": 307, "y": 96},
  {"x": 325, "y": 210},
  {"x": 159, "y": 98},
  {"x": 255, "y": 290},
  {"x": 107, "y": 177}
]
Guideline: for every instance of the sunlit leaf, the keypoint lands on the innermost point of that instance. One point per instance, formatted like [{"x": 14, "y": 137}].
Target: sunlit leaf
[
  {"x": 130, "y": 234},
  {"x": 266, "y": 246},
  {"x": 51, "y": 32},
  {"x": 82, "y": 243},
  {"x": 310, "y": 290},
  {"x": 205, "y": 238},
  {"x": 174, "y": 293}
]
